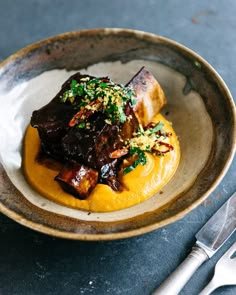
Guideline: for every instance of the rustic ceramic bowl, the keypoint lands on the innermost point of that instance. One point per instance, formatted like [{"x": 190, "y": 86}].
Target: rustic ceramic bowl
[{"x": 199, "y": 105}]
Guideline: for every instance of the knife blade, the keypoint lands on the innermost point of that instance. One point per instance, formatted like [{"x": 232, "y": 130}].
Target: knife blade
[
  {"x": 218, "y": 228},
  {"x": 210, "y": 239}
]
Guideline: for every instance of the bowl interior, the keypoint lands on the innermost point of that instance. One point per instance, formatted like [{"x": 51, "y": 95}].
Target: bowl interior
[{"x": 199, "y": 106}]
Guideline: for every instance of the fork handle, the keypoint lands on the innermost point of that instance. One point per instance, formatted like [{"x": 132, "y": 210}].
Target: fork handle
[{"x": 176, "y": 281}]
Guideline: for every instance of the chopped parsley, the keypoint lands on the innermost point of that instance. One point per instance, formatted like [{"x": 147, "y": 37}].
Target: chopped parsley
[
  {"x": 157, "y": 128},
  {"x": 135, "y": 151},
  {"x": 149, "y": 140},
  {"x": 81, "y": 125},
  {"x": 91, "y": 95},
  {"x": 110, "y": 98}
]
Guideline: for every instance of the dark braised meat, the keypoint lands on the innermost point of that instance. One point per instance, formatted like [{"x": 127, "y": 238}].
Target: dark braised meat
[
  {"x": 89, "y": 124},
  {"x": 77, "y": 179},
  {"x": 52, "y": 120},
  {"x": 88, "y": 146}
]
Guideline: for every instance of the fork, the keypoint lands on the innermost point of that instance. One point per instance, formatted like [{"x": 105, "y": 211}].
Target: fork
[{"x": 225, "y": 272}]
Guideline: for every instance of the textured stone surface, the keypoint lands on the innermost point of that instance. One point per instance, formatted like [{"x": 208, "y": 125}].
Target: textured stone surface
[{"x": 32, "y": 263}]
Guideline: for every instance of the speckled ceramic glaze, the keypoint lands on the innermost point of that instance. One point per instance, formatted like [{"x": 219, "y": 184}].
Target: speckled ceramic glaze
[{"x": 199, "y": 105}]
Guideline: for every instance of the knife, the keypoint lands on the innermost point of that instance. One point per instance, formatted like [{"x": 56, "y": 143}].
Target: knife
[{"x": 210, "y": 238}]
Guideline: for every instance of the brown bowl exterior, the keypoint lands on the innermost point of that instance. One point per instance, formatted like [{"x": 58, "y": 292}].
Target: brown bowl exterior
[{"x": 76, "y": 50}]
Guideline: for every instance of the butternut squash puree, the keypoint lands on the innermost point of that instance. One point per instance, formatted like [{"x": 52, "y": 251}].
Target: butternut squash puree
[{"x": 139, "y": 185}]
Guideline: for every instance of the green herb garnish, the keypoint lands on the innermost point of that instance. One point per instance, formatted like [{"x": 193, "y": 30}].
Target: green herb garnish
[
  {"x": 149, "y": 140},
  {"x": 157, "y": 128},
  {"x": 113, "y": 97},
  {"x": 140, "y": 160},
  {"x": 81, "y": 125}
]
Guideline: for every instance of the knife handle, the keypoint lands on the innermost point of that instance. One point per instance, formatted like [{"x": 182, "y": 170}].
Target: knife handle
[{"x": 176, "y": 281}]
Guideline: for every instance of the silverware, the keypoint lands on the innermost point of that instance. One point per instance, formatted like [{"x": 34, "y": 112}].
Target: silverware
[
  {"x": 225, "y": 270},
  {"x": 209, "y": 240}
]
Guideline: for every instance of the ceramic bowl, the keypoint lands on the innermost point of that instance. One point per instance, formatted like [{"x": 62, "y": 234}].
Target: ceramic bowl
[{"x": 199, "y": 105}]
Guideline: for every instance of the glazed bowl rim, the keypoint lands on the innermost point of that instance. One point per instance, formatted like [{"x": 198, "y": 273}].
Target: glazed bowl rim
[{"x": 133, "y": 232}]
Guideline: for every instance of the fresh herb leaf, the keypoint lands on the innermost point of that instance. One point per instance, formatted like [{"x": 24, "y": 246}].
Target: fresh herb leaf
[
  {"x": 114, "y": 96},
  {"x": 122, "y": 116},
  {"x": 103, "y": 85},
  {"x": 80, "y": 90},
  {"x": 140, "y": 160},
  {"x": 132, "y": 101},
  {"x": 157, "y": 128},
  {"x": 81, "y": 125},
  {"x": 94, "y": 81},
  {"x": 73, "y": 84}
]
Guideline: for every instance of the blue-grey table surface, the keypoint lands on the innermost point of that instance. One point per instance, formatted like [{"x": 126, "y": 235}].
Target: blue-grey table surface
[{"x": 33, "y": 263}]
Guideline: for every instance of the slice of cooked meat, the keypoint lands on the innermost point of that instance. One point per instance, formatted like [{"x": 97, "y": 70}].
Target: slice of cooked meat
[
  {"x": 149, "y": 96},
  {"x": 52, "y": 121},
  {"x": 79, "y": 143},
  {"x": 77, "y": 179}
]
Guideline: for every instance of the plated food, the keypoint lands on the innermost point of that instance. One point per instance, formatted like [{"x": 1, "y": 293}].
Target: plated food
[
  {"x": 101, "y": 146},
  {"x": 199, "y": 105}
]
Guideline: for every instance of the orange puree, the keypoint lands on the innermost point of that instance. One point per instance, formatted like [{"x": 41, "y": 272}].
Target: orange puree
[{"x": 139, "y": 185}]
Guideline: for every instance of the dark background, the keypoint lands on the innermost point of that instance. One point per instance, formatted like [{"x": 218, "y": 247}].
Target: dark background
[{"x": 33, "y": 263}]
